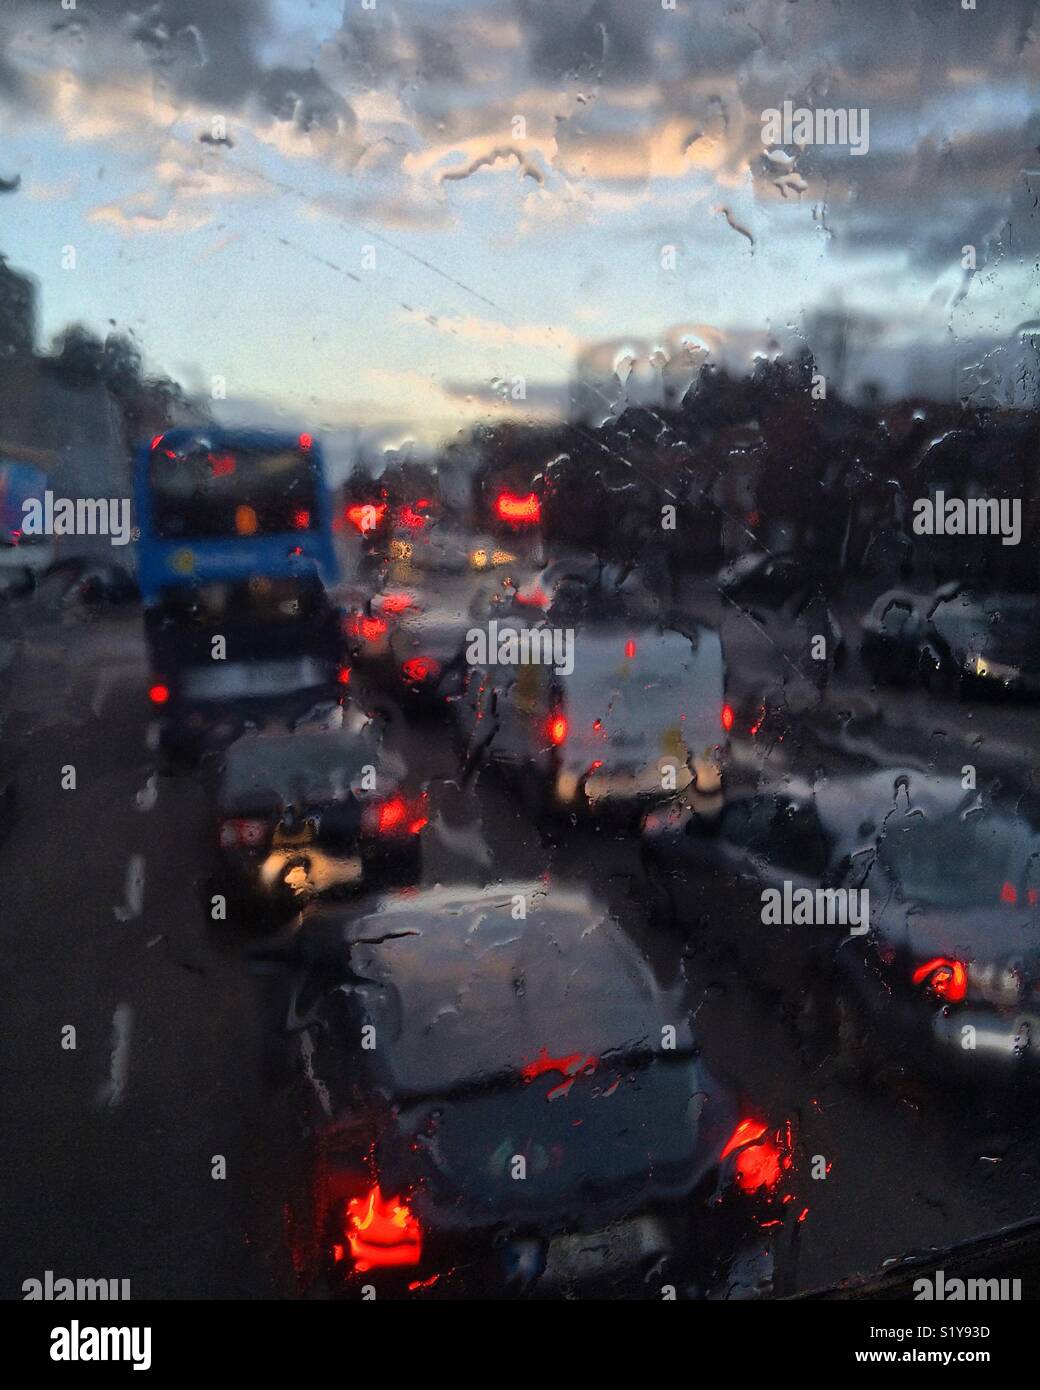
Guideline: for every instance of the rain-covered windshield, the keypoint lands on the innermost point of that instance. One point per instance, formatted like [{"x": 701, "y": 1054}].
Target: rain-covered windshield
[{"x": 520, "y": 544}]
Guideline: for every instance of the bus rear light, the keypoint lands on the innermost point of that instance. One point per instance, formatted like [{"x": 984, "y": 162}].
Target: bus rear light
[{"x": 301, "y": 520}]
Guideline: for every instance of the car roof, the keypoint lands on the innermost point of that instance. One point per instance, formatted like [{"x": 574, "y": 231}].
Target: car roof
[
  {"x": 469, "y": 990},
  {"x": 851, "y": 807},
  {"x": 278, "y": 764}
]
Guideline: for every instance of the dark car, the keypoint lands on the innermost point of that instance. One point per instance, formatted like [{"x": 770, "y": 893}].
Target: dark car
[
  {"x": 639, "y": 716},
  {"x": 507, "y": 1100},
  {"x": 411, "y": 634},
  {"x": 955, "y": 641},
  {"x": 941, "y": 960},
  {"x": 233, "y": 655},
  {"x": 316, "y": 811}
]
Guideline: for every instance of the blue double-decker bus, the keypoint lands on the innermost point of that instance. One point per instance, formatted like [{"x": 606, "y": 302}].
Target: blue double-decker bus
[
  {"x": 235, "y": 558},
  {"x": 220, "y": 505}
]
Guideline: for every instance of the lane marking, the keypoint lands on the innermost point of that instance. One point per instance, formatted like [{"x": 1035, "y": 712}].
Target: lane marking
[
  {"x": 133, "y": 891},
  {"x": 114, "y": 1090},
  {"x": 149, "y": 793}
]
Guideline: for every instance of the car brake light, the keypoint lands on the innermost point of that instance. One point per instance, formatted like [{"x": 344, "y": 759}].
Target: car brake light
[
  {"x": 158, "y": 693},
  {"x": 518, "y": 510},
  {"x": 220, "y": 465},
  {"x": 946, "y": 978},
  {"x": 411, "y": 517},
  {"x": 301, "y": 520},
  {"x": 420, "y": 668},
  {"x": 397, "y": 816},
  {"x": 343, "y": 675},
  {"x": 1009, "y": 894},
  {"x": 306, "y": 441},
  {"x": 761, "y": 1159},
  {"x": 366, "y": 516},
  {"x": 397, "y": 603},
  {"x": 630, "y": 649},
  {"x": 366, "y": 628},
  {"x": 557, "y": 729},
  {"x": 727, "y": 717},
  {"x": 382, "y": 1232},
  {"x": 245, "y": 833}
]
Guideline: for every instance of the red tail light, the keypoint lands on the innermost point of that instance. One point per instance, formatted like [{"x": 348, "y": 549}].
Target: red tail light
[
  {"x": 557, "y": 729},
  {"x": 414, "y": 518},
  {"x": 1009, "y": 894},
  {"x": 220, "y": 465},
  {"x": 761, "y": 1158},
  {"x": 420, "y": 668},
  {"x": 398, "y": 816},
  {"x": 382, "y": 1232},
  {"x": 366, "y": 516},
  {"x": 241, "y": 834},
  {"x": 630, "y": 649},
  {"x": 396, "y": 603},
  {"x": 519, "y": 511},
  {"x": 306, "y": 441},
  {"x": 343, "y": 675},
  {"x": 727, "y": 717},
  {"x": 366, "y": 628},
  {"x": 946, "y": 978},
  {"x": 158, "y": 693},
  {"x": 301, "y": 520}
]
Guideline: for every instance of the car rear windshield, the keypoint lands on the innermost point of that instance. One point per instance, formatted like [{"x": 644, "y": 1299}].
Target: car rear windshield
[{"x": 972, "y": 861}]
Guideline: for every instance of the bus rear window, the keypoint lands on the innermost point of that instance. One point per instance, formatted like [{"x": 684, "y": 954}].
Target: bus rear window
[{"x": 233, "y": 492}]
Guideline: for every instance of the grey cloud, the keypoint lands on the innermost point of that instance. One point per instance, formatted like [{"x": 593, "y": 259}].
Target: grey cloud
[{"x": 206, "y": 52}]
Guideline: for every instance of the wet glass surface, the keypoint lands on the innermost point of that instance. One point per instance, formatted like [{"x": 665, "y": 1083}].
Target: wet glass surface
[{"x": 519, "y": 643}]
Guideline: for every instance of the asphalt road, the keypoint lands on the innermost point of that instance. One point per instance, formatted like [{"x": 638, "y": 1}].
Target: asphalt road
[{"x": 111, "y": 1146}]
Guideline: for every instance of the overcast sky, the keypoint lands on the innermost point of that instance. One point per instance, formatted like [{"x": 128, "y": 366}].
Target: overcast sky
[{"x": 504, "y": 247}]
